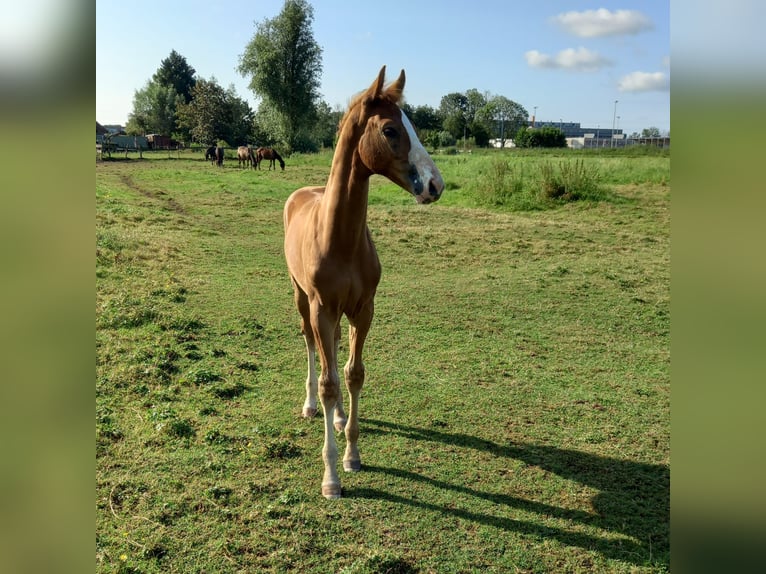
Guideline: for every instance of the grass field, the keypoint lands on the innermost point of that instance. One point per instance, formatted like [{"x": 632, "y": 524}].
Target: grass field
[{"x": 515, "y": 415}]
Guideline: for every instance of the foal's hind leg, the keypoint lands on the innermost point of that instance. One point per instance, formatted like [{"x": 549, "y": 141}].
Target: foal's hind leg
[
  {"x": 339, "y": 415},
  {"x": 354, "y": 374},
  {"x": 302, "y": 302},
  {"x": 312, "y": 383}
]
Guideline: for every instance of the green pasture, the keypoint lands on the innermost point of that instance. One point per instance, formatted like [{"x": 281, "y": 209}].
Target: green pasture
[{"x": 516, "y": 410}]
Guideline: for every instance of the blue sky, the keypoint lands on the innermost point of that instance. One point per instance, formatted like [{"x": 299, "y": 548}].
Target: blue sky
[{"x": 570, "y": 59}]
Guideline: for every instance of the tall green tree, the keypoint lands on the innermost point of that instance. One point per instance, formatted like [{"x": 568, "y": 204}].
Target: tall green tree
[
  {"x": 176, "y": 72},
  {"x": 154, "y": 105},
  {"x": 284, "y": 64}
]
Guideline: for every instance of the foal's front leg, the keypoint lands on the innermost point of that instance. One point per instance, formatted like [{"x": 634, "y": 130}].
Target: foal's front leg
[{"x": 324, "y": 327}]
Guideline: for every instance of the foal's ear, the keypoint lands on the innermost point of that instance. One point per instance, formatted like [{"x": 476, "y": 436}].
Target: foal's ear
[
  {"x": 395, "y": 90},
  {"x": 376, "y": 89}
]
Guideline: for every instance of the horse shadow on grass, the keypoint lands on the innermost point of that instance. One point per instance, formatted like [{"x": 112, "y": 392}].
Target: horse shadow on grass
[{"x": 633, "y": 498}]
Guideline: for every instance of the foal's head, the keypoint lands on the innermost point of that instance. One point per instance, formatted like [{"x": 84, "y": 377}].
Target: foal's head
[{"x": 388, "y": 145}]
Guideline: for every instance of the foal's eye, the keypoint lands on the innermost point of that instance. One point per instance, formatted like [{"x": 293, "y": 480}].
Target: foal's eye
[{"x": 389, "y": 132}]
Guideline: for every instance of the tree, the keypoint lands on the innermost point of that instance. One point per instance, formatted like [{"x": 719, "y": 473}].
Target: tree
[
  {"x": 453, "y": 108},
  {"x": 215, "y": 114},
  {"x": 154, "y": 110},
  {"x": 475, "y": 101},
  {"x": 650, "y": 132},
  {"x": 176, "y": 72},
  {"x": 270, "y": 129},
  {"x": 466, "y": 115},
  {"x": 284, "y": 64},
  {"x": 326, "y": 124},
  {"x": 478, "y": 129},
  {"x": 154, "y": 106},
  {"x": 239, "y": 118},
  {"x": 425, "y": 118},
  {"x": 503, "y": 117},
  {"x": 427, "y": 123}
]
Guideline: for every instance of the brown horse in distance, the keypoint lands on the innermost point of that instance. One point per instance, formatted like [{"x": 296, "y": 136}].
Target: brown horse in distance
[
  {"x": 332, "y": 261},
  {"x": 246, "y": 155},
  {"x": 270, "y": 154}
]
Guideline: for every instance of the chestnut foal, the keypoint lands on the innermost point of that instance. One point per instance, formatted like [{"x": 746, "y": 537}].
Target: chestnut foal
[{"x": 331, "y": 258}]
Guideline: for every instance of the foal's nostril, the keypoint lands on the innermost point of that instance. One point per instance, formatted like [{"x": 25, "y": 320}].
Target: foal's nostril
[{"x": 433, "y": 190}]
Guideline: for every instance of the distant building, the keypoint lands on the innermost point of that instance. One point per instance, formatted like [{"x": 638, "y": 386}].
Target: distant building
[
  {"x": 579, "y": 137},
  {"x": 590, "y": 141},
  {"x": 574, "y": 130}
]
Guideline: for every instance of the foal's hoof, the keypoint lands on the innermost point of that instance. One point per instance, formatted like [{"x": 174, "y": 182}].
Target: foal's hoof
[
  {"x": 309, "y": 413},
  {"x": 331, "y": 491},
  {"x": 352, "y": 465}
]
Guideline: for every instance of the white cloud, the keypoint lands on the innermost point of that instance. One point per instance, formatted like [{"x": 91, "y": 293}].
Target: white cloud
[
  {"x": 580, "y": 59},
  {"x": 644, "y": 82},
  {"x": 602, "y": 22}
]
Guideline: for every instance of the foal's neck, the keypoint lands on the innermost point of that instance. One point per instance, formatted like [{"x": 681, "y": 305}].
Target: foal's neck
[{"x": 344, "y": 205}]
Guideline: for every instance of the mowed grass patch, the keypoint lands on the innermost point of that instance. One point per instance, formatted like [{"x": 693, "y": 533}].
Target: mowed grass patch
[{"x": 515, "y": 415}]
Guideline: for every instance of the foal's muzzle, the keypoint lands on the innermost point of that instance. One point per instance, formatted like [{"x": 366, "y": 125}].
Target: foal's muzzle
[{"x": 430, "y": 192}]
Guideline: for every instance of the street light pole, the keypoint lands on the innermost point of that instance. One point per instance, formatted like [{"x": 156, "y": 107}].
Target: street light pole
[
  {"x": 534, "y": 117},
  {"x": 614, "y": 120}
]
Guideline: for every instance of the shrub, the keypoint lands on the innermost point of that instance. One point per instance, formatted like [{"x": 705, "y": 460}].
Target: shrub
[
  {"x": 547, "y": 137},
  {"x": 446, "y": 139},
  {"x": 573, "y": 180},
  {"x": 527, "y": 186},
  {"x": 507, "y": 186}
]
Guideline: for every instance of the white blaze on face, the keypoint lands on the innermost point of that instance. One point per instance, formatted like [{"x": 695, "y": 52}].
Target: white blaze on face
[{"x": 425, "y": 166}]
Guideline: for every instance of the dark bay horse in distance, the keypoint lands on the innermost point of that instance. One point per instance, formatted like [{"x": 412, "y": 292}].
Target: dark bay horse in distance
[
  {"x": 271, "y": 155},
  {"x": 215, "y": 155},
  {"x": 333, "y": 265},
  {"x": 246, "y": 155}
]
